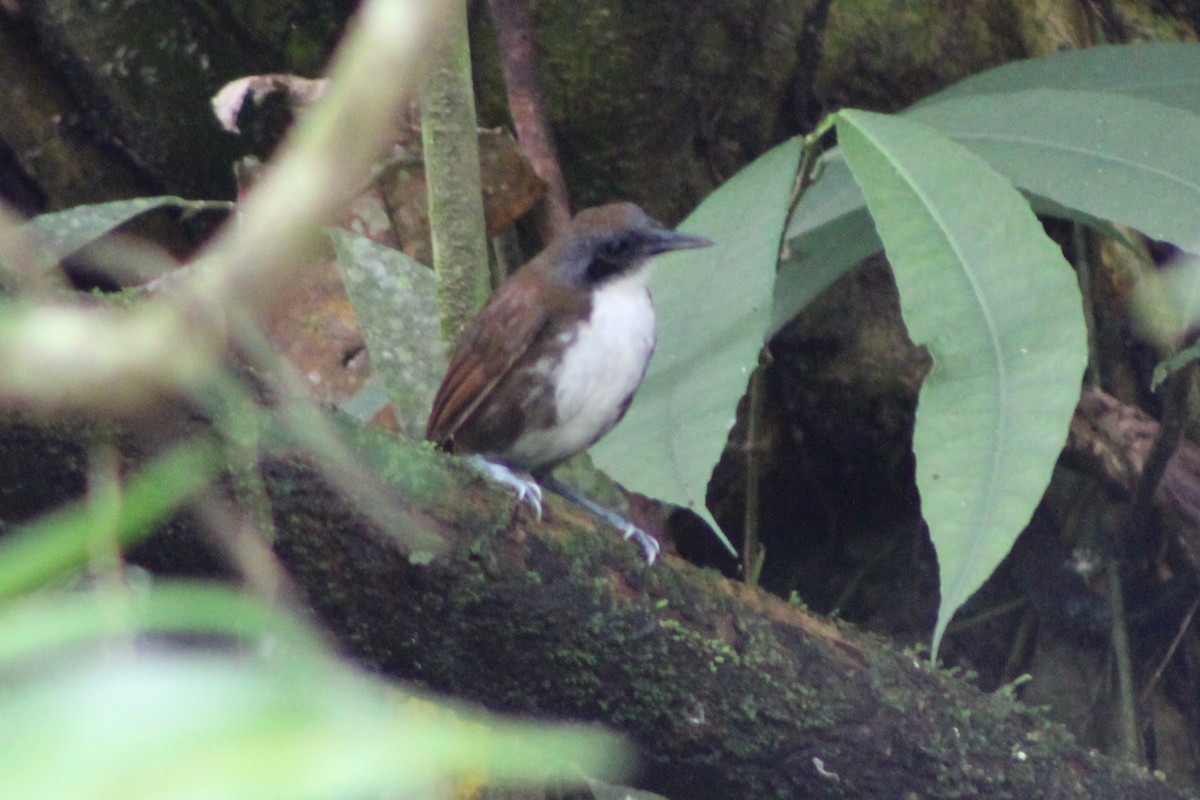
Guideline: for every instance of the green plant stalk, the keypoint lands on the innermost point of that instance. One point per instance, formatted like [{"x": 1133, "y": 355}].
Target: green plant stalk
[
  {"x": 806, "y": 173},
  {"x": 753, "y": 555},
  {"x": 751, "y": 548},
  {"x": 1083, "y": 267},
  {"x": 104, "y": 506},
  {"x": 239, "y": 420},
  {"x": 450, "y": 140},
  {"x": 1174, "y": 393},
  {"x": 1128, "y": 740}
]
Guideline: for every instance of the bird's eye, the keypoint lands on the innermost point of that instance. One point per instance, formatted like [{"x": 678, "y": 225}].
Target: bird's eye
[
  {"x": 615, "y": 251},
  {"x": 610, "y": 258}
]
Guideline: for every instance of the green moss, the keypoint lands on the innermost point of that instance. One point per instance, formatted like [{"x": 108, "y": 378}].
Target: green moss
[
  {"x": 1149, "y": 20},
  {"x": 404, "y": 464},
  {"x": 884, "y": 54}
]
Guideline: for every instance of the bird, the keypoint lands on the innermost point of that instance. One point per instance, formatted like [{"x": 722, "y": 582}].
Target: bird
[{"x": 552, "y": 361}]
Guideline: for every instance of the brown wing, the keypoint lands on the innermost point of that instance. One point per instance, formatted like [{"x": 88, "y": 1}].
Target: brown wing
[{"x": 486, "y": 352}]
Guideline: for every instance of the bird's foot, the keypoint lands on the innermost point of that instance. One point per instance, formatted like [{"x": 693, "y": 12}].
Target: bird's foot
[
  {"x": 526, "y": 488},
  {"x": 650, "y": 546}
]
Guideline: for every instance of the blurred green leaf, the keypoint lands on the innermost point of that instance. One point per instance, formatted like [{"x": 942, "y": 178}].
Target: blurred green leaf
[
  {"x": 714, "y": 309},
  {"x": 999, "y": 310},
  {"x": 66, "y": 232},
  {"x": 395, "y": 299},
  {"x": 41, "y": 623},
  {"x": 157, "y": 723},
  {"x": 46, "y": 550}
]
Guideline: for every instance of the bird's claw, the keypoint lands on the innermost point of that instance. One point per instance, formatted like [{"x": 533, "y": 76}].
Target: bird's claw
[
  {"x": 650, "y": 546},
  {"x": 525, "y": 487},
  {"x": 530, "y": 494}
]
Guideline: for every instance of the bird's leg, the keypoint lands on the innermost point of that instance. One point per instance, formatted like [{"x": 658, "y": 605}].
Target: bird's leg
[
  {"x": 522, "y": 483},
  {"x": 650, "y": 546}
]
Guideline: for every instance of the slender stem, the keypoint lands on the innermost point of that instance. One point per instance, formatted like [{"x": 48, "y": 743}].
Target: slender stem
[
  {"x": 1083, "y": 267},
  {"x": 104, "y": 501},
  {"x": 1129, "y": 742},
  {"x": 752, "y": 555},
  {"x": 1174, "y": 392},
  {"x": 1184, "y": 627},
  {"x": 450, "y": 140},
  {"x": 751, "y": 548},
  {"x": 1175, "y": 397},
  {"x": 518, "y": 59},
  {"x": 807, "y": 172}
]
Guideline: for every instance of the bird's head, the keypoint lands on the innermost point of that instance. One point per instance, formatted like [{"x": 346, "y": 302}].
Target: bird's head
[{"x": 608, "y": 241}]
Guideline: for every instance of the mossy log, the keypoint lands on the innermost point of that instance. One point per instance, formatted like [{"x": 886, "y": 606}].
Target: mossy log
[{"x": 725, "y": 690}]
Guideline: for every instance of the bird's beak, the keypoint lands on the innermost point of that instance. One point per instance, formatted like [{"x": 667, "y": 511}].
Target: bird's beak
[{"x": 664, "y": 241}]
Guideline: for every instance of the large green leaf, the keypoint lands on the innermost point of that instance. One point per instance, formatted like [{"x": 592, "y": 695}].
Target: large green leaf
[
  {"x": 1111, "y": 156},
  {"x": 999, "y": 310},
  {"x": 1097, "y": 151},
  {"x": 714, "y": 309},
  {"x": 1165, "y": 72}
]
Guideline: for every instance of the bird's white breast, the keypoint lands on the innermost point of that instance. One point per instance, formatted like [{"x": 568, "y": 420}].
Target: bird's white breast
[{"x": 599, "y": 370}]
